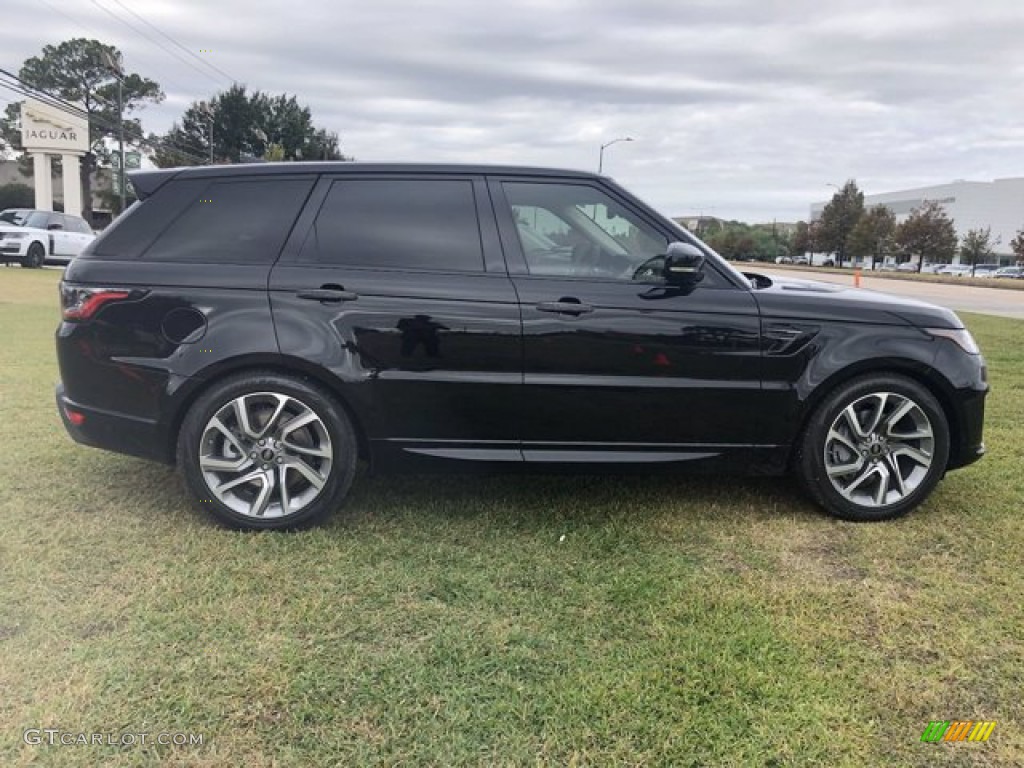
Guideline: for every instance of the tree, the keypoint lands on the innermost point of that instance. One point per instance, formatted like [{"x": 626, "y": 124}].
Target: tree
[
  {"x": 928, "y": 233},
  {"x": 802, "y": 242},
  {"x": 1017, "y": 245},
  {"x": 17, "y": 196},
  {"x": 977, "y": 246},
  {"x": 872, "y": 235},
  {"x": 246, "y": 125},
  {"x": 838, "y": 219},
  {"x": 79, "y": 71},
  {"x": 736, "y": 240}
]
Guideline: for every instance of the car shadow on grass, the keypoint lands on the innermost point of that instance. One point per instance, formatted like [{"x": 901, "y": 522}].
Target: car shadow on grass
[
  {"x": 541, "y": 499},
  {"x": 147, "y": 490}
]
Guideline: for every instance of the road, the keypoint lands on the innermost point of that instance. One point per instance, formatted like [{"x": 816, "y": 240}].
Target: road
[{"x": 968, "y": 298}]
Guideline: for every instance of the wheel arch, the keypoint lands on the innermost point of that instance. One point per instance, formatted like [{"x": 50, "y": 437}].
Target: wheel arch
[
  {"x": 283, "y": 365},
  {"x": 936, "y": 384}
]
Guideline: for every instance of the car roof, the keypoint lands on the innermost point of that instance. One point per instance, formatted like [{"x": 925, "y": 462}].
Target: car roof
[{"x": 149, "y": 181}]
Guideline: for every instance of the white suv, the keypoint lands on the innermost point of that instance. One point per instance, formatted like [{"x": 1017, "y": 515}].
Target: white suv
[{"x": 33, "y": 238}]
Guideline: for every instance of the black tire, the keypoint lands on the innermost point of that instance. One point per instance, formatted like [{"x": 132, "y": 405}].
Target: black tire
[
  {"x": 864, "y": 393},
  {"x": 35, "y": 256},
  {"x": 196, "y": 437}
]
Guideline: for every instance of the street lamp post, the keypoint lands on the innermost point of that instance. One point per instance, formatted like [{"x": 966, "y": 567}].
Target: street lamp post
[{"x": 600, "y": 160}]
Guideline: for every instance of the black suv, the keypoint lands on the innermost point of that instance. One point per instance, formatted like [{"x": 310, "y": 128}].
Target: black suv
[{"x": 265, "y": 326}]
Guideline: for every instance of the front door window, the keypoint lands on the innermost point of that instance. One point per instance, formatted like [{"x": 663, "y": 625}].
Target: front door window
[{"x": 576, "y": 230}]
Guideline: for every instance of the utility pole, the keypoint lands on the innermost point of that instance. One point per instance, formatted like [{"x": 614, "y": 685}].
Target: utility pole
[
  {"x": 115, "y": 68},
  {"x": 207, "y": 109}
]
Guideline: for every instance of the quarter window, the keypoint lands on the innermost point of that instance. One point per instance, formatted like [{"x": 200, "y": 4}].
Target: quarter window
[
  {"x": 234, "y": 222},
  {"x": 398, "y": 223}
]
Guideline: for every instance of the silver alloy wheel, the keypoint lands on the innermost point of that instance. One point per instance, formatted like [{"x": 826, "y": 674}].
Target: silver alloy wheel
[
  {"x": 265, "y": 455},
  {"x": 879, "y": 449}
]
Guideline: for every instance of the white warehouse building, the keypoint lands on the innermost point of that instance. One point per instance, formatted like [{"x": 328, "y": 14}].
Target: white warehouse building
[{"x": 997, "y": 204}]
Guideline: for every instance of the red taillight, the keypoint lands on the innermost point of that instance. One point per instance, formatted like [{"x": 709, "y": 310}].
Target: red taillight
[
  {"x": 75, "y": 417},
  {"x": 82, "y": 303}
]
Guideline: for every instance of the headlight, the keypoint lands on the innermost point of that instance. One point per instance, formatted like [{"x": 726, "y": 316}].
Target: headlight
[
  {"x": 961, "y": 336},
  {"x": 13, "y": 235}
]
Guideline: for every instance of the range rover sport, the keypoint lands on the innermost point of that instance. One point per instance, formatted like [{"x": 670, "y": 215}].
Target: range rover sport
[{"x": 266, "y": 326}]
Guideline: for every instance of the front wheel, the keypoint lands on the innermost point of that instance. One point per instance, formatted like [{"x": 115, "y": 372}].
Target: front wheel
[
  {"x": 267, "y": 452},
  {"x": 875, "y": 448},
  {"x": 35, "y": 256}
]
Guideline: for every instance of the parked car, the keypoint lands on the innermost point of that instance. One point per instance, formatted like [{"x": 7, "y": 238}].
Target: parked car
[
  {"x": 907, "y": 266},
  {"x": 985, "y": 270},
  {"x": 801, "y": 260},
  {"x": 956, "y": 270},
  {"x": 1014, "y": 272},
  {"x": 933, "y": 269},
  {"x": 263, "y": 327},
  {"x": 33, "y": 238},
  {"x": 783, "y": 259}
]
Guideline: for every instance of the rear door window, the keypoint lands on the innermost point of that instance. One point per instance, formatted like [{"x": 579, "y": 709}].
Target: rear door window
[{"x": 424, "y": 224}]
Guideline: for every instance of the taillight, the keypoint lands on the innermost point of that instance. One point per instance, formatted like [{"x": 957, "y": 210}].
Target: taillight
[{"x": 78, "y": 303}]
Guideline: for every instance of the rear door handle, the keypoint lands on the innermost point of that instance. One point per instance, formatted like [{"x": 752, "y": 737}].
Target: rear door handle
[
  {"x": 330, "y": 295},
  {"x": 565, "y": 307}
]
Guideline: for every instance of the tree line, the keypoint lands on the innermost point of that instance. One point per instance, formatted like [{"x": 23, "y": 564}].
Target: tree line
[
  {"x": 851, "y": 231},
  {"x": 228, "y": 127}
]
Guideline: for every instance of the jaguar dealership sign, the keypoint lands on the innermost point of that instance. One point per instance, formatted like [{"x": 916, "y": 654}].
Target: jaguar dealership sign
[{"x": 46, "y": 128}]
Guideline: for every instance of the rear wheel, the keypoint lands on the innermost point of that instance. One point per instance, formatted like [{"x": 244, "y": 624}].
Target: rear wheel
[
  {"x": 875, "y": 448},
  {"x": 35, "y": 257},
  {"x": 266, "y": 452}
]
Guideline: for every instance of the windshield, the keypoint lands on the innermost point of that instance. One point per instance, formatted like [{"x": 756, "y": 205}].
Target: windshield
[{"x": 20, "y": 217}]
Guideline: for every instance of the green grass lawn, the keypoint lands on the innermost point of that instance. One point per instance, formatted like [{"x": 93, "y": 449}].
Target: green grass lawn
[{"x": 505, "y": 621}]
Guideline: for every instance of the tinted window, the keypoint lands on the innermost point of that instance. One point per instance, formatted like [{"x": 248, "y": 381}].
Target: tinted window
[
  {"x": 131, "y": 233},
  {"x": 15, "y": 216},
  {"x": 234, "y": 222},
  {"x": 577, "y": 230},
  {"x": 408, "y": 223}
]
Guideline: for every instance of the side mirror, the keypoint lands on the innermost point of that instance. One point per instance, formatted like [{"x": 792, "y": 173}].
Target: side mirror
[{"x": 684, "y": 264}]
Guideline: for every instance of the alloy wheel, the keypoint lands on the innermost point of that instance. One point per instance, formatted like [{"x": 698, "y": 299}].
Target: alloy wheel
[
  {"x": 879, "y": 449},
  {"x": 265, "y": 455}
]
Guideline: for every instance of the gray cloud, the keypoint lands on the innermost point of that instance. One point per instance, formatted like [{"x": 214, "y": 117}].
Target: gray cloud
[{"x": 739, "y": 108}]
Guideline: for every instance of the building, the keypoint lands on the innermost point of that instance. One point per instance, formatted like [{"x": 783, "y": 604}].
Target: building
[
  {"x": 997, "y": 204},
  {"x": 11, "y": 173}
]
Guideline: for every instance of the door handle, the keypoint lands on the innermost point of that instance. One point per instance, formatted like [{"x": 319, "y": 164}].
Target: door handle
[
  {"x": 565, "y": 307},
  {"x": 329, "y": 295}
]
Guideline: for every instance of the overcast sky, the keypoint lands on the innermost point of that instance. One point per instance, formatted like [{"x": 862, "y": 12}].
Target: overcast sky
[{"x": 739, "y": 108}]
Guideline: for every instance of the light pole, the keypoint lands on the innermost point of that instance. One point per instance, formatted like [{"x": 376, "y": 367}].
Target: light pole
[
  {"x": 600, "y": 160},
  {"x": 115, "y": 68}
]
